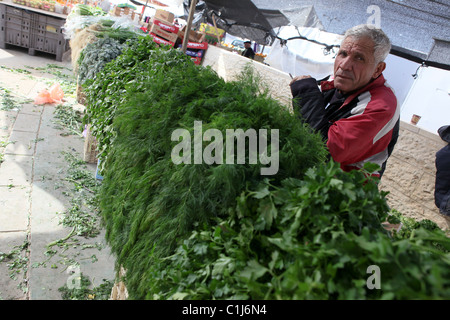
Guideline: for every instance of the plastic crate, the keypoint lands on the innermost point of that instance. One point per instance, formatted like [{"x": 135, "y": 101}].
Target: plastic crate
[
  {"x": 18, "y": 13},
  {"x": 15, "y": 27},
  {"x": 17, "y": 32},
  {"x": 32, "y": 30},
  {"x": 17, "y": 38},
  {"x": 47, "y": 36}
]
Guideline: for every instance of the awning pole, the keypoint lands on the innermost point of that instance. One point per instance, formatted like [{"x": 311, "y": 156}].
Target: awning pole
[
  {"x": 189, "y": 25},
  {"x": 216, "y": 31},
  {"x": 143, "y": 10}
]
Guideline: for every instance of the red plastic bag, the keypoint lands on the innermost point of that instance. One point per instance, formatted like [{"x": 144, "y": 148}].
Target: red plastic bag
[
  {"x": 43, "y": 97},
  {"x": 55, "y": 94}
]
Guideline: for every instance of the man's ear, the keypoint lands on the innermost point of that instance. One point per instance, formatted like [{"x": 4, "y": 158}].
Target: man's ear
[{"x": 379, "y": 69}]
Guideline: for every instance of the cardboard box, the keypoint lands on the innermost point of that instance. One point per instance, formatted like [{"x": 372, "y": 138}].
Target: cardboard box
[
  {"x": 136, "y": 16},
  {"x": 119, "y": 12},
  {"x": 196, "y": 45},
  {"x": 212, "y": 31},
  {"x": 164, "y": 15},
  {"x": 194, "y": 36},
  {"x": 160, "y": 40},
  {"x": 195, "y": 53},
  {"x": 160, "y": 32},
  {"x": 166, "y": 26}
]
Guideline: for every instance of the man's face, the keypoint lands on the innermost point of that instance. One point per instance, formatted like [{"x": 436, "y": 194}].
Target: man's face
[
  {"x": 354, "y": 65},
  {"x": 247, "y": 45}
]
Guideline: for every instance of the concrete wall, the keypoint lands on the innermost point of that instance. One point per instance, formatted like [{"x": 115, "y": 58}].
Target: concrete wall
[
  {"x": 410, "y": 172},
  {"x": 229, "y": 65}
]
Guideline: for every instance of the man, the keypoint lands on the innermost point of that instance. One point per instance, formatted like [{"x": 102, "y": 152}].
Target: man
[
  {"x": 248, "y": 51},
  {"x": 442, "y": 186},
  {"x": 356, "y": 112}
]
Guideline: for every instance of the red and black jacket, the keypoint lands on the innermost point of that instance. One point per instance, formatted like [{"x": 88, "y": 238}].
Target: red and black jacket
[{"x": 358, "y": 128}]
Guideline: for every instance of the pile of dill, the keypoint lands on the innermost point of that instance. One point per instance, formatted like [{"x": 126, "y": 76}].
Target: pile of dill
[{"x": 148, "y": 203}]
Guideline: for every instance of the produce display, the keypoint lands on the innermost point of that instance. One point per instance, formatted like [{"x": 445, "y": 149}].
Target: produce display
[
  {"x": 212, "y": 34},
  {"x": 47, "y": 5},
  {"x": 311, "y": 238},
  {"x": 86, "y": 10},
  {"x": 95, "y": 55},
  {"x": 224, "y": 231},
  {"x": 95, "y": 39},
  {"x": 149, "y": 203}
]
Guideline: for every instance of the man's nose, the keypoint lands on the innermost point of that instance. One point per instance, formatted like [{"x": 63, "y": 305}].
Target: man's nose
[{"x": 345, "y": 63}]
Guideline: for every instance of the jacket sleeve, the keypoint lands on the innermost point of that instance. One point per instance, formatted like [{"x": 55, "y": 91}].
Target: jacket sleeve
[
  {"x": 442, "y": 185},
  {"x": 366, "y": 133},
  {"x": 309, "y": 104}
]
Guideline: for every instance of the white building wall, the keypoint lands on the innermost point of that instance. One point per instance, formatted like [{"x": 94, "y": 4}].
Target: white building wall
[
  {"x": 398, "y": 74},
  {"x": 429, "y": 98}
]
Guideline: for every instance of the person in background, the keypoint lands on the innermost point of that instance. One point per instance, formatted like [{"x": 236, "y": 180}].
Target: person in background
[
  {"x": 356, "y": 112},
  {"x": 248, "y": 51},
  {"x": 105, "y": 5},
  {"x": 442, "y": 186}
]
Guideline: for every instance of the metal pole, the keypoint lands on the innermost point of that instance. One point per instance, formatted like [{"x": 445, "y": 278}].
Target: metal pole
[
  {"x": 143, "y": 10},
  {"x": 189, "y": 25},
  {"x": 216, "y": 31}
]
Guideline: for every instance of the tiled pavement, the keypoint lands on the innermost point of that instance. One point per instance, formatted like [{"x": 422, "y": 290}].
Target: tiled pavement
[{"x": 31, "y": 196}]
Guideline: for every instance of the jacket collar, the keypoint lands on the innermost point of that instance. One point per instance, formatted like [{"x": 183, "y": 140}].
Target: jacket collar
[{"x": 329, "y": 85}]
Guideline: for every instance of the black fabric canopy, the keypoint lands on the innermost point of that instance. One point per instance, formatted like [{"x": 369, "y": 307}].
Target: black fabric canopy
[
  {"x": 240, "y": 18},
  {"x": 420, "y": 34}
]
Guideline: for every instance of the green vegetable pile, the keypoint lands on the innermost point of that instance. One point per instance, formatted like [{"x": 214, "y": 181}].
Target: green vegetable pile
[
  {"x": 95, "y": 55},
  {"x": 121, "y": 34},
  {"x": 308, "y": 239},
  {"x": 118, "y": 81},
  {"x": 106, "y": 28},
  {"x": 224, "y": 231},
  {"x": 86, "y": 10},
  {"x": 147, "y": 201}
]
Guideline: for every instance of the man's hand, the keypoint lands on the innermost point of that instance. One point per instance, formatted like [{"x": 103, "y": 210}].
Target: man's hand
[{"x": 299, "y": 78}]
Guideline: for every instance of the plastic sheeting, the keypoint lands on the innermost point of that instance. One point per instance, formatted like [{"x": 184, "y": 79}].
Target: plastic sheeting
[
  {"x": 302, "y": 57},
  {"x": 75, "y": 23},
  {"x": 172, "y": 3},
  {"x": 305, "y": 16}
]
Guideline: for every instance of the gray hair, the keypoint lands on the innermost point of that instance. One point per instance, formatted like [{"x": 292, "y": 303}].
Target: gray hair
[{"x": 382, "y": 44}]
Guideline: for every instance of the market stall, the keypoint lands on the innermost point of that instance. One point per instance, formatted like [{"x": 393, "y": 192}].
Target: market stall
[{"x": 188, "y": 224}]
